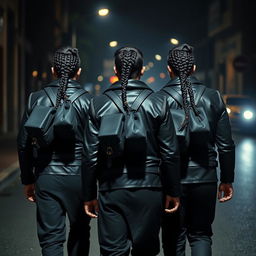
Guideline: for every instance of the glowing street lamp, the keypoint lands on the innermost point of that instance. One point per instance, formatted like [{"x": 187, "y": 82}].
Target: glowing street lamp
[
  {"x": 162, "y": 75},
  {"x": 151, "y": 80},
  {"x": 174, "y": 41},
  {"x": 113, "y": 79},
  {"x": 151, "y": 64},
  {"x": 35, "y": 73},
  {"x": 113, "y": 44},
  {"x": 103, "y": 12},
  {"x": 100, "y": 78},
  {"x": 158, "y": 57}
]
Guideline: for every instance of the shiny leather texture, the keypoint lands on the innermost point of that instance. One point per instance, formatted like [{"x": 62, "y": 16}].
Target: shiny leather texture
[
  {"x": 162, "y": 161},
  {"x": 58, "y": 158},
  {"x": 202, "y": 152}
]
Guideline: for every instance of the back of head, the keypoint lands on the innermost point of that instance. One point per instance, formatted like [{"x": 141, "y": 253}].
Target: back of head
[
  {"x": 66, "y": 63},
  {"x": 181, "y": 61},
  {"x": 128, "y": 62}
]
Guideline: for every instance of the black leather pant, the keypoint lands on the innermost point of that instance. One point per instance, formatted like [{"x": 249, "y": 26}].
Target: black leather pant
[
  {"x": 56, "y": 196},
  {"x": 192, "y": 221},
  {"x": 130, "y": 218}
]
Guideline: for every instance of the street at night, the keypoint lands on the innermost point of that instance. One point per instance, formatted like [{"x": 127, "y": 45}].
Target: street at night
[
  {"x": 234, "y": 227},
  {"x": 115, "y": 100}
]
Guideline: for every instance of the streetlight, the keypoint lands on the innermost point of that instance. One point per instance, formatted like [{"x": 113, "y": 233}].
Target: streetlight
[
  {"x": 113, "y": 44},
  {"x": 35, "y": 73},
  {"x": 151, "y": 80},
  {"x": 100, "y": 78},
  {"x": 103, "y": 12},
  {"x": 174, "y": 41},
  {"x": 151, "y": 64},
  {"x": 113, "y": 79},
  {"x": 162, "y": 75},
  {"x": 158, "y": 57}
]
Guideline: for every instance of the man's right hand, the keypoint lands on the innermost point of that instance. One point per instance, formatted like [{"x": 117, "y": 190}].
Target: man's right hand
[
  {"x": 29, "y": 191},
  {"x": 91, "y": 208},
  {"x": 174, "y": 202},
  {"x": 225, "y": 192}
]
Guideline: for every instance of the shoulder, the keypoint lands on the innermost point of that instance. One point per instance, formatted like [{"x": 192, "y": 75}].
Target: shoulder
[
  {"x": 173, "y": 96},
  {"x": 213, "y": 99},
  {"x": 86, "y": 96},
  {"x": 156, "y": 104},
  {"x": 101, "y": 104},
  {"x": 34, "y": 96},
  {"x": 81, "y": 99},
  {"x": 213, "y": 94}
]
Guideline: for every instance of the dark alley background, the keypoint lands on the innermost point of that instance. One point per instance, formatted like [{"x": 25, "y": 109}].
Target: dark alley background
[
  {"x": 30, "y": 31},
  {"x": 222, "y": 33}
]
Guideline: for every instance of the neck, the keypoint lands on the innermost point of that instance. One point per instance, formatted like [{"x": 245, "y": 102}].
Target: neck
[{"x": 136, "y": 78}]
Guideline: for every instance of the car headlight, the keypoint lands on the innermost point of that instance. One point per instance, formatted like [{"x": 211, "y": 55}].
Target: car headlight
[
  {"x": 248, "y": 114},
  {"x": 228, "y": 110}
]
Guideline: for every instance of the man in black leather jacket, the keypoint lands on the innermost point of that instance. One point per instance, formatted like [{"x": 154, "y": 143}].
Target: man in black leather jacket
[
  {"x": 198, "y": 156},
  {"x": 130, "y": 204},
  {"x": 51, "y": 175}
]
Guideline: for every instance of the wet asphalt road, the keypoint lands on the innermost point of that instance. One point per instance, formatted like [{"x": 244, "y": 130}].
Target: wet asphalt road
[{"x": 234, "y": 227}]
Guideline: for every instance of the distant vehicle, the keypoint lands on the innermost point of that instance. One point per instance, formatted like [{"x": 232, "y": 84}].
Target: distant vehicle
[{"x": 242, "y": 112}]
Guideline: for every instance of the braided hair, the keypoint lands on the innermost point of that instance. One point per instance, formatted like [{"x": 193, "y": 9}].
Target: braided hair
[
  {"x": 181, "y": 61},
  {"x": 66, "y": 63},
  {"x": 128, "y": 62}
]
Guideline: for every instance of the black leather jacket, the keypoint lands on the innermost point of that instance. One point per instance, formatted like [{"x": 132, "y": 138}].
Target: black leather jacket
[
  {"x": 202, "y": 154},
  {"x": 58, "y": 158},
  {"x": 162, "y": 161}
]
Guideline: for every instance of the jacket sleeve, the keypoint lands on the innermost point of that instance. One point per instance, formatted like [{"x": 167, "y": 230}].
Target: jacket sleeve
[
  {"x": 89, "y": 166},
  {"x": 84, "y": 117},
  {"x": 225, "y": 144},
  {"x": 25, "y": 149},
  {"x": 169, "y": 153}
]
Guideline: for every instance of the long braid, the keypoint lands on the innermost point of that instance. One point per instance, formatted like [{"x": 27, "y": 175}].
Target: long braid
[
  {"x": 66, "y": 62},
  {"x": 184, "y": 93},
  {"x": 192, "y": 99},
  {"x": 181, "y": 60},
  {"x": 128, "y": 62},
  {"x": 128, "y": 59}
]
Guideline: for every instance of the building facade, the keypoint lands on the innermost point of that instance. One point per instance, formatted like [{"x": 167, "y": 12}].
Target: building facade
[
  {"x": 10, "y": 59},
  {"x": 30, "y": 31},
  {"x": 233, "y": 52}
]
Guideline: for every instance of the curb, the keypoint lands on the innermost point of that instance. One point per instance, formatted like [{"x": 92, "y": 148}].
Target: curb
[{"x": 8, "y": 175}]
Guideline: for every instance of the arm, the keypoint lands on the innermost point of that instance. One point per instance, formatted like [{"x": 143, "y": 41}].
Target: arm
[
  {"x": 25, "y": 154},
  {"x": 25, "y": 149},
  {"x": 89, "y": 166},
  {"x": 226, "y": 150},
  {"x": 170, "y": 165}
]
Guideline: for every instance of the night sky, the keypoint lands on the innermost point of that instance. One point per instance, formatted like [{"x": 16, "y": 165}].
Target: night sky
[{"x": 147, "y": 25}]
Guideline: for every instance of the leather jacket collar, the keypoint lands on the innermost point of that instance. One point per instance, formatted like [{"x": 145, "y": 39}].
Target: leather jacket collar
[
  {"x": 176, "y": 81},
  {"x": 132, "y": 84},
  {"x": 71, "y": 84}
]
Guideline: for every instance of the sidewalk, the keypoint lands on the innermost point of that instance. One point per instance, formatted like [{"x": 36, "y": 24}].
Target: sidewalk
[{"x": 8, "y": 160}]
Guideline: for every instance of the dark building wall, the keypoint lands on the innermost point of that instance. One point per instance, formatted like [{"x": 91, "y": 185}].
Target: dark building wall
[
  {"x": 30, "y": 31},
  {"x": 46, "y": 25},
  {"x": 247, "y": 23},
  {"x": 9, "y": 66},
  {"x": 231, "y": 33}
]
